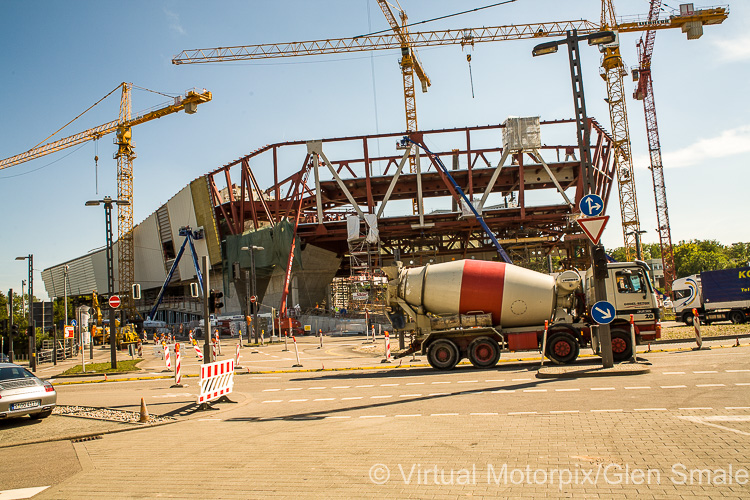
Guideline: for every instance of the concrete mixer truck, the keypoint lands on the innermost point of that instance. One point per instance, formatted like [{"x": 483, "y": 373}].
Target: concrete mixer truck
[{"x": 476, "y": 309}]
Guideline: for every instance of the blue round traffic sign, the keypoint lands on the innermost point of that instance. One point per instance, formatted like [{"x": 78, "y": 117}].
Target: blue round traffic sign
[
  {"x": 591, "y": 205},
  {"x": 73, "y": 322},
  {"x": 603, "y": 312}
]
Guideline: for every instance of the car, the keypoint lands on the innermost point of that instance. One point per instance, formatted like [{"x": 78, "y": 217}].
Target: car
[
  {"x": 23, "y": 393},
  {"x": 4, "y": 358}
]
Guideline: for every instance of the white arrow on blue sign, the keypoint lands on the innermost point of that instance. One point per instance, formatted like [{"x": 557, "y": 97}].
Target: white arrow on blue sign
[
  {"x": 73, "y": 322},
  {"x": 603, "y": 312},
  {"x": 591, "y": 205}
]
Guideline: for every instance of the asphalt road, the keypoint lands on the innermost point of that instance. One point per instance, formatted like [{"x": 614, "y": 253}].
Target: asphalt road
[{"x": 327, "y": 433}]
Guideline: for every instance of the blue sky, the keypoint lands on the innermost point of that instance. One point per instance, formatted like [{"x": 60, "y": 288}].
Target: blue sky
[{"x": 61, "y": 57}]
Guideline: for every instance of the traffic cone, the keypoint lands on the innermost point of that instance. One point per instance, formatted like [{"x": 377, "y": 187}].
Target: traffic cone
[
  {"x": 144, "y": 412},
  {"x": 105, "y": 377}
]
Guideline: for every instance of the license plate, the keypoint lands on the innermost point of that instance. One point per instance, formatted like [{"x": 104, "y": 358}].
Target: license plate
[{"x": 25, "y": 404}]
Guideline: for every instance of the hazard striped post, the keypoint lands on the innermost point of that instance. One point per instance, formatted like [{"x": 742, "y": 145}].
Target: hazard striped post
[
  {"x": 544, "y": 340},
  {"x": 373, "y": 333},
  {"x": 387, "y": 348},
  {"x": 167, "y": 359},
  {"x": 218, "y": 344},
  {"x": 296, "y": 352},
  {"x": 190, "y": 336},
  {"x": 213, "y": 349},
  {"x": 198, "y": 353},
  {"x": 178, "y": 366},
  {"x": 237, "y": 356},
  {"x": 697, "y": 327},
  {"x": 320, "y": 335},
  {"x": 140, "y": 349},
  {"x": 632, "y": 337}
]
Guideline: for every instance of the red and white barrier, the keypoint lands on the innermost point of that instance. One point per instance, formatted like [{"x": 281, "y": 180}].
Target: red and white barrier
[
  {"x": 217, "y": 379},
  {"x": 140, "y": 350},
  {"x": 320, "y": 334},
  {"x": 632, "y": 336},
  {"x": 296, "y": 352},
  {"x": 697, "y": 326},
  {"x": 198, "y": 352},
  {"x": 387, "y": 348},
  {"x": 544, "y": 340},
  {"x": 237, "y": 356},
  {"x": 178, "y": 365},
  {"x": 373, "y": 333},
  {"x": 218, "y": 344},
  {"x": 167, "y": 359},
  {"x": 190, "y": 336}
]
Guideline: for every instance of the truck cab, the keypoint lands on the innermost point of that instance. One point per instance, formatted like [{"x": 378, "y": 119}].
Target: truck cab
[{"x": 687, "y": 296}]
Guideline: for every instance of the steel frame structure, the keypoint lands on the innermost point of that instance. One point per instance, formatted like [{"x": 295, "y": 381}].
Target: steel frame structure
[{"x": 354, "y": 189}]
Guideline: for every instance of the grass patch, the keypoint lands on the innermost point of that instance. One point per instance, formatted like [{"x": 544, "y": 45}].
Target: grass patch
[{"x": 122, "y": 366}]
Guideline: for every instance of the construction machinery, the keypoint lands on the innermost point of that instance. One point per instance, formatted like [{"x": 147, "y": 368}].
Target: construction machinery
[
  {"x": 125, "y": 155},
  {"x": 689, "y": 21}
]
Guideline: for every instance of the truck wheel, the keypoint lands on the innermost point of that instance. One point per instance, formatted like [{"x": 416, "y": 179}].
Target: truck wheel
[
  {"x": 484, "y": 352},
  {"x": 562, "y": 348},
  {"x": 687, "y": 318},
  {"x": 621, "y": 347},
  {"x": 443, "y": 354},
  {"x": 737, "y": 317}
]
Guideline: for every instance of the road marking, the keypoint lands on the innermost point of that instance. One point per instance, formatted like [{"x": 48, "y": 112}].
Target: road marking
[
  {"x": 438, "y": 394},
  {"x": 388, "y": 385},
  {"x": 710, "y": 385},
  {"x": 707, "y": 371},
  {"x": 503, "y": 391},
  {"x": 467, "y": 381},
  {"x": 409, "y": 395},
  {"x": 443, "y": 414},
  {"x": 342, "y": 387},
  {"x": 324, "y": 399},
  {"x": 441, "y": 382},
  {"x": 737, "y": 371},
  {"x": 649, "y": 409},
  {"x": 368, "y": 385},
  {"x": 298, "y": 400},
  {"x": 718, "y": 418},
  {"x": 606, "y": 411},
  {"x": 737, "y": 407},
  {"x": 22, "y": 492},
  {"x": 271, "y": 390},
  {"x": 291, "y": 388},
  {"x": 372, "y": 416},
  {"x": 673, "y": 386},
  {"x": 697, "y": 408},
  {"x": 380, "y": 397},
  {"x": 273, "y": 401},
  {"x": 638, "y": 387},
  {"x": 355, "y": 397},
  {"x": 522, "y": 413},
  {"x": 495, "y": 380},
  {"x": 484, "y": 414},
  {"x": 602, "y": 388},
  {"x": 673, "y": 373},
  {"x": 415, "y": 383},
  {"x": 566, "y": 390},
  {"x": 316, "y": 388},
  {"x": 412, "y": 415},
  {"x": 742, "y": 383},
  {"x": 535, "y": 390},
  {"x": 340, "y": 417},
  {"x": 564, "y": 411}
]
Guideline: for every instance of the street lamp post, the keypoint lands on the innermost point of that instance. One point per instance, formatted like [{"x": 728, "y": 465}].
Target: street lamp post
[
  {"x": 108, "y": 201},
  {"x": 31, "y": 326},
  {"x": 584, "y": 140},
  {"x": 252, "y": 250},
  {"x": 638, "y": 248}
]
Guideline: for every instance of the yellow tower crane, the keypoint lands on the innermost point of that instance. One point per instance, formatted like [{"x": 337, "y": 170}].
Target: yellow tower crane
[
  {"x": 125, "y": 155},
  {"x": 613, "y": 66}
]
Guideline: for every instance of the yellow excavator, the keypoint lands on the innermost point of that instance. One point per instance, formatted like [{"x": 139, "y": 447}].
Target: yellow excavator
[{"x": 100, "y": 333}]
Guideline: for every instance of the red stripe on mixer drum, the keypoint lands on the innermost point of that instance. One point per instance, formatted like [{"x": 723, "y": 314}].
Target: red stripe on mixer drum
[{"x": 482, "y": 288}]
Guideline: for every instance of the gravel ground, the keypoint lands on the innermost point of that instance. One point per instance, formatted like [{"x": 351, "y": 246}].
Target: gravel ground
[{"x": 107, "y": 414}]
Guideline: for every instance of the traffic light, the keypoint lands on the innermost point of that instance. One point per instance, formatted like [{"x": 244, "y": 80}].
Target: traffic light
[
  {"x": 214, "y": 301},
  {"x": 136, "y": 291},
  {"x": 600, "y": 263},
  {"x": 194, "y": 290},
  {"x": 14, "y": 330}
]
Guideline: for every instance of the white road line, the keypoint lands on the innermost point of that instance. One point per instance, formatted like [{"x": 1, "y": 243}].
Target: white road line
[
  {"x": 737, "y": 407},
  {"x": 348, "y": 399},
  {"x": 339, "y": 417},
  {"x": 673, "y": 373},
  {"x": 372, "y": 416},
  {"x": 673, "y": 386},
  {"x": 495, "y": 380},
  {"x": 602, "y": 388},
  {"x": 737, "y": 371},
  {"x": 503, "y": 391},
  {"x": 409, "y": 395},
  {"x": 707, "y": 371},
  {"x": 290, "y": 389},
  {"x": 606, "y": 411},
  {"x": 438, "y": 394},
  {"x": 415, "y": 383},
  {"x": 412, "y": 415},
  {"x": 441, "y": 382},
  {"x": 342, "y": 387},
  {"x": 697, "y": 408},
  {"x": 298, "y": 400},
  {"x": 522, "y": 413},
  {"x": 484, "y": 414},
  {"x": 638, "y": 387},
  {"x": 273, "y": 401},
  {"x": 388, "y": 385},
  {"x": 710, "y": 385},
  {"x": 443, "y": 414},
  {"x": 21, "y": 492},
  {"x": 742, "y": 383},
  {"x": 271, "y": 390},
  {"x": 535, "y": 390},
  {"x": 324, "y": 399},
  {"x": 467, "y": 381},
  {"x": 381, "y": 397},
  {"x": 316, "y": 388},
  {"x": 564, "y": 411},
  {"x": 649, "y": 409},
  {"x": 566, "y": 390},
  {"x": 368, "y": 385}
]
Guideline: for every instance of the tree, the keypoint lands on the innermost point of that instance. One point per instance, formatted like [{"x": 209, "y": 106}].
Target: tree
[{"x": 694, "y": 256}]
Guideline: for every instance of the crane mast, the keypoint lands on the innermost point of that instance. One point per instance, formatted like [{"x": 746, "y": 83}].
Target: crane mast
[{"x": 645, "y": 91}]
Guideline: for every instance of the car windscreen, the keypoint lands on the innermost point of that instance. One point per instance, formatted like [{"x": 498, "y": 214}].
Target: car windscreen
[{"x": 14, "y": 372}]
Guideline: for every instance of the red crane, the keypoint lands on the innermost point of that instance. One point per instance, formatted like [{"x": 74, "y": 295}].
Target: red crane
[{"x": 645, "y": 92}]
